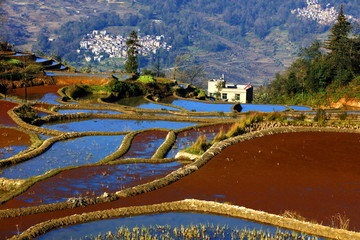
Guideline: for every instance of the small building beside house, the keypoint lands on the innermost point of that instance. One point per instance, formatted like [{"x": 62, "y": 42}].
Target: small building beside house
[{"x": 218, "y": 88}]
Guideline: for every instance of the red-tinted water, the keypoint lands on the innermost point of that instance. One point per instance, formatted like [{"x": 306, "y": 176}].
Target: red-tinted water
[
  {"x": 315, "y": 174},
  {"x": 5, "y": 119}
]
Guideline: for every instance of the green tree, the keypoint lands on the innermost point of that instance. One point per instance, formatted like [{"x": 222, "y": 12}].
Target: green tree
[
  {"x": 131, "y": 65},
  {"x": 313, "y": 52},
  {"x": 338, "y": 37},
  {"x": 339, "y": 44}
]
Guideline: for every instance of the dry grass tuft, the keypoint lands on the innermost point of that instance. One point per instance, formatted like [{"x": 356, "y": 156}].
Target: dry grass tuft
[
  {"x": 340, "y": 221},
  {"x": 293, "y": 214}
]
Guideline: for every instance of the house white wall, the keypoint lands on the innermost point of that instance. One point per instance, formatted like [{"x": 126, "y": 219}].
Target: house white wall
[{"x": 231, "y": 93}]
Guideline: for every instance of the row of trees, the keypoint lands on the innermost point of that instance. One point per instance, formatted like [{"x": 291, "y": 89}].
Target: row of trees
[{"x": 323, "y": 65}]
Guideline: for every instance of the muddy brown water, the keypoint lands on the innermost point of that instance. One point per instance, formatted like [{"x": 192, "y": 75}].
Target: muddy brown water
[
  {"x": 12, "y": 137},
  {"x": 315, "y": 174},
  {"x": 12, "y": 141},
  {"x": 36, "y": 92},
  {"x": 5, "y": 119}
]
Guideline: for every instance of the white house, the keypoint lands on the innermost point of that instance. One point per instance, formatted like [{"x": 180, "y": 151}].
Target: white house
[{"x": 230, "y": 92}]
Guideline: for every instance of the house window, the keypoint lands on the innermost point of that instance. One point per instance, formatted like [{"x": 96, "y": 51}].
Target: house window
[
  {"x": 237, "y": 97},
  {"x": 224, "y": 96}
]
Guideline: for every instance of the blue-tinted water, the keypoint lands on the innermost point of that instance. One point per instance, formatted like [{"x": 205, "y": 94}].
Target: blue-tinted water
[
  {"x": 262, "y": 108},
  {"x": 38, "y": 59},
  {"x": 172, "y": 219},
  {"x": 300, "y": 108},
  {"x": 76, "y": 74},
  {"x": 73, "y": 152},
  {"x": 150, "y": 105},
  {"x": 94, "y": 181},
  {"x": 114, "y": 125},
  {"x": 42, "y": 114},
  {"x": 121, "y": 76},
  {"x": 54, "y": 63},
  {"x": 141, "y": 102},
  {"x": 11, "y": 151},
  {"x": 62, "y": 111},
  {"x": 49, "y": 98},
  {"x": 202, "y": 107},
  {"x": 187, "y": 139},
  {"x": 21, "y": 54},
  {"x": 223, "y": 107},
  {"x": 62, "y": 67}
]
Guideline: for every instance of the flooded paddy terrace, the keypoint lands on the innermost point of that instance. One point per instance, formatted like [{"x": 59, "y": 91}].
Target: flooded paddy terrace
[
  {"x": 167, "y": 224},
  {"x": 12, "y": 141},
  {"x": 272, "y": 173}
]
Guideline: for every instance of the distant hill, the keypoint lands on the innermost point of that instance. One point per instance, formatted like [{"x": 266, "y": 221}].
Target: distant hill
[{"x": 248, "y": 41}]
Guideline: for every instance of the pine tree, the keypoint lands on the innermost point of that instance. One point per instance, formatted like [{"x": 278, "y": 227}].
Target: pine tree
[
  {"x": 340, "y": 44},
  {"x": 131, "y": 65},
  {"x": 339, "y": 33}
]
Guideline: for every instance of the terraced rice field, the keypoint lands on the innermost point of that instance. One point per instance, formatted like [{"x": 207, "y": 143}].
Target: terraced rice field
[{"x": 98, "y": 164}]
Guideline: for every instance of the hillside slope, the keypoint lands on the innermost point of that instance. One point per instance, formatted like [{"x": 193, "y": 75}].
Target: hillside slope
[{"x": 248, "y": 41}]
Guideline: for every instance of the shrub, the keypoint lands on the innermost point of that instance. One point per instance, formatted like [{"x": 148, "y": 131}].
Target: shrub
[
  {"x": 34, "y": 69},
  {"x": 201, "y": 94},
  {"x": 320, "y": 116},
  {"x": 236, "y": 129},
  {"x": 126, "y": 89},
  {"x": 257, "y": 118},
  {"x": 26, "y": 113},
  {"x": 274, "y": 116},
  {"x": 76, "y": 91},
  {"x": 300, "y": 117},
  {"x": 219, "y": 137},
  {"x": 199, "y": 147},
  {"x": 146, "y": 79},
  {"x": 343, "y": 116}
]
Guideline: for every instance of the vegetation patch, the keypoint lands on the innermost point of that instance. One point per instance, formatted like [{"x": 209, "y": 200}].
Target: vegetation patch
[
  {"x": 76, "y": 91},
  {"x": 201, "y": 232},
  {"x": 146, "y": 79},
  {"x": 199, "y": 147},
  {"x": 26, "y": 112}
]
